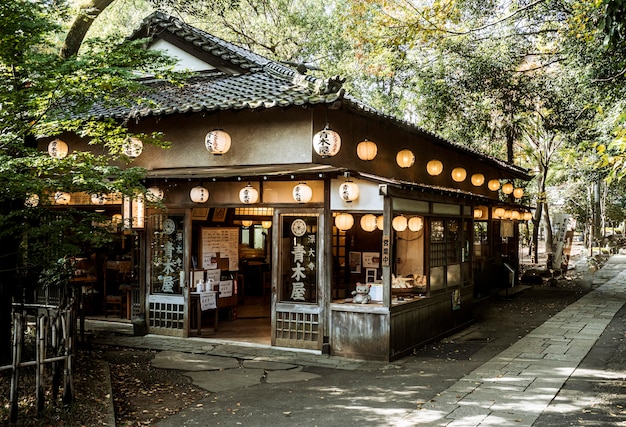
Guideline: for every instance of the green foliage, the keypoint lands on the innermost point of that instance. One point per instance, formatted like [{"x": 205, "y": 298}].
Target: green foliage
[{"x": 42, "y": 96}]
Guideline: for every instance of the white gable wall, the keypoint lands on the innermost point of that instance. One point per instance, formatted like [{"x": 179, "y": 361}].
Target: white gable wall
[{"x": 185, "y": 61}]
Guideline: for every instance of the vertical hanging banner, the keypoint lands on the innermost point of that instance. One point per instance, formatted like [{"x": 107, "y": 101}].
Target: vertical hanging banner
[{"x": 302, "y": 260}]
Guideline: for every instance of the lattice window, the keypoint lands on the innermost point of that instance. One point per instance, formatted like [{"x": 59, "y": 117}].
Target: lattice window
[
  {"x": 297, "y": 326},
  {"x": 166, "y": 315}
]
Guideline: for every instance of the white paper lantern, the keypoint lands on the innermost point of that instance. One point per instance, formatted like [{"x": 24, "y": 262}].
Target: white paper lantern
[
  {"x": 498, "y": 212},
  {"x": 249, "y": 195},
  {"x": 302, "y": 193},
  {"x": 399, "y": 223},
  {"x": 380, "y": 222},
  {"x": 415, "y": 223},
  {"x": 133, "y": 147},
  {"x": 326, "y": 142},
  {"x": 62, "y": 198},
  {"x": 477, "y": 179},
  {"x": 507, "y": 188},
  {"x": 349, "y": 191},
  {"x": 458, "y": 174},
  {"x": 344, "y": 221},
  {"x": 58, "y": 149},
  {"x": 217, "y": 142},
  {"x": 366, "y": 150},
  {"x": 32, "y": 201},
  {"x": 515, "y": 215},
  {"x": 154, "y": 194},
  {"x": 98, "y": 199},
  {"x": 199, "y": 194},
  {"x": 405, "y": 158},
  {"x": 368, "y": 222},
  {"x": 434, "y": 167},
  {"x": 493, "y": 185}
]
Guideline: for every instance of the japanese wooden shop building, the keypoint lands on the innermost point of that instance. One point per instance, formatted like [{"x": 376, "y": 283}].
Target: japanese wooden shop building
[{"x": 279, "y": 184}]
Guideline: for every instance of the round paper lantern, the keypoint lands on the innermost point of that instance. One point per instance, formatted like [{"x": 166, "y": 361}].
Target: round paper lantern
[
  {"x": 117, "y": 219},
  {"x": 133, "y": 147},
  {"x": 246, "y": 222},
  {"x": 399, "y": 223},
  {"x": 58, "y": 149},
  {"x": 493, "y": 185},
  {"x": 477, "y": 179},
  {"x": 528, "y": 216},
  {"x": 302, "y": 193},
  {"x": 326, "y": 142},
  {"x": 349, "y": 191},
  {"x": 405, "y": 158},
  {"x": 98, "y": 199},
  {"x": 249, "y": 195},
  {"x": 62, "y": 198},
  {"x": 199, "y": 194},
  {"x": 515, "y": 215},
  {"x": 434, "y": 167},
  {"x": 478, "y": 213},
  {"x": 368, "y": 222},
  {"x": 366, "y": 150},
  {"x": 344, "y": 221},
  {"x": 508, "y": 213},
  {"x": 380, "y": 222},
  {"x": 518, "y": 193},
  {"x": 415, "y": 223},
  {"x": 217, "y": 142},
  {"x": 32, "y": 201},
  {"x": 154, "y": 194},
  {"x": 507, "y": 188},
  {"x": 499, "y": 212},
  {"x": 266, "y": 224},
  {"x": 459, "y": 174}
]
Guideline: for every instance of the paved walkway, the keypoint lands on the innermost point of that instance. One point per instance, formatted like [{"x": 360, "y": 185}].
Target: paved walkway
[
  {"x": 517, "y": 385},
  {"x": 514, "y": 388}
]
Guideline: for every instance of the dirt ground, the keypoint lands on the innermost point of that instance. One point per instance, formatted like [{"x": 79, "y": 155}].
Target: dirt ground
[{"x": 144, "y": 395}]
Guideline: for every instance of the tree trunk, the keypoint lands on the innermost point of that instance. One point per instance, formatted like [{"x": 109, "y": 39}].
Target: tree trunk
[{"x": 76, "y": 34}]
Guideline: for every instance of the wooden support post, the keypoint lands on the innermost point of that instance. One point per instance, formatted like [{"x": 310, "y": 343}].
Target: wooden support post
[
  {"x": 42, "y": 326},
  {"x": 18, "y": 336},
  {"x": 68, "y": 333}
]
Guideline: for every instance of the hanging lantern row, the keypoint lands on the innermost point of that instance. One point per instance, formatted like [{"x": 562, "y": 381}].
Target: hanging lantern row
[
  {"x": 512, "y": 214},
  {"x": 132, "y": 147},
  {"x": 370, "y": 222}
]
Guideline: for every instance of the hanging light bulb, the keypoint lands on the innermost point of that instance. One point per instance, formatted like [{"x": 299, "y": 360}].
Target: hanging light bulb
[
  {"x": 344, "y": 221},
  {"x": 434, "y": 167},
  {"x": 477, "y": 179},
  {"x": 368, "y": 222},
  {"x": 302, "y": 193},
  {"x": 349, "y": 191},
  {"x": 399, "y": 223},
  {"x": 366, "y": 150},
  {"x": 493, "y": 185},
  {"x": 326, "y": 142},
  {"x": 199, "y": 194},
  {"x": 416, "y": 223},
  {"x": 249, "y": 195},
  {"x": 217, "y": 142}
]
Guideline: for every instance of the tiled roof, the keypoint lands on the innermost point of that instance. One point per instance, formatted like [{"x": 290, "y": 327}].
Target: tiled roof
[{"x": 245, "y": 80}]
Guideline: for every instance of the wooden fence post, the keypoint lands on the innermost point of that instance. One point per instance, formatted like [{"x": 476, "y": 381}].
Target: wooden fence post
[{"x": 18, "y": 336}]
